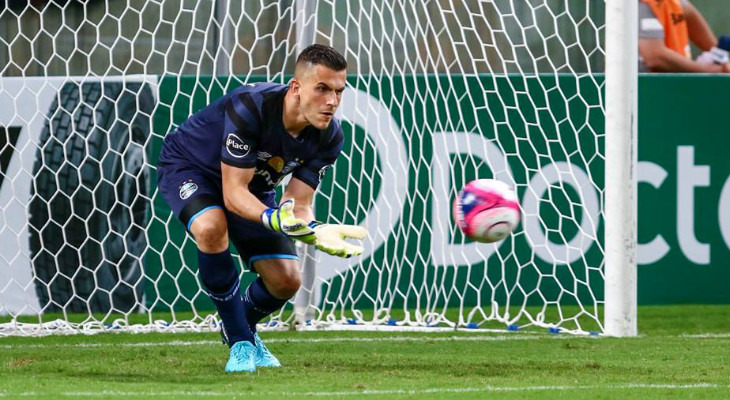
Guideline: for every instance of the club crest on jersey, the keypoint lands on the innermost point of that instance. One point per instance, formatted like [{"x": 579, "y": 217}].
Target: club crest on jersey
[
  {"x": 187, "y": 189},
  {"x": 236, "y": 147}
]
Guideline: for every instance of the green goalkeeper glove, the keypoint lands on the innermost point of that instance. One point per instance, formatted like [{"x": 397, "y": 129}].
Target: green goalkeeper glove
[
  {"x": 283, "y": 220},
  {"x": 330, "y": 238}
]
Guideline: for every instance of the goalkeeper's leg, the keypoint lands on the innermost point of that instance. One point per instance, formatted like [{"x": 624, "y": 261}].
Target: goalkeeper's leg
[
  {"x": 278, "y": 282},
  {"x": 273, "y": 256},
  {"x": 219, "y": 276},
  {"x": 198, "y": 204}
]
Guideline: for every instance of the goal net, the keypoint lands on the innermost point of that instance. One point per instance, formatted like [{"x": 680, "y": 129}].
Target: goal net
[{"x": 439, "y": 93}]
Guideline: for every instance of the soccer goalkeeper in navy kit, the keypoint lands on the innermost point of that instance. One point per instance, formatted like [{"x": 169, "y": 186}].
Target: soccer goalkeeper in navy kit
[{"x": 218, "y": 172}]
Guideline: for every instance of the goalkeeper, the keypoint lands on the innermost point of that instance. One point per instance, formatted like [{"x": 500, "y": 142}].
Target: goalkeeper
[{"x": 218, "y": 172}]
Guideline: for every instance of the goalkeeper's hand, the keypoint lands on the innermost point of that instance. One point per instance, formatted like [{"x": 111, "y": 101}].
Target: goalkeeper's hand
[
  {"x": 283, "y": 220},
  {"x": 330, "y": 238}
]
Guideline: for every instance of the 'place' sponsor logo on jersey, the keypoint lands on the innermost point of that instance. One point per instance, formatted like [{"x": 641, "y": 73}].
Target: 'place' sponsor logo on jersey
[{"x": 236, "y": 147}]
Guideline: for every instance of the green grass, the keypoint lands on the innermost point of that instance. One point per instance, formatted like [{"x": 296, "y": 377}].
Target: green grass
[{"x": 665, "y": 361}]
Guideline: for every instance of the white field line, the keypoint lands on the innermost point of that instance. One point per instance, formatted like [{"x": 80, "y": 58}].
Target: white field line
[
  {"x": 485, "y": 338},
  {"x": 485, "y": 389},
  {"x": 503, "y": 338},
  {"x": 707, "y": 336}
]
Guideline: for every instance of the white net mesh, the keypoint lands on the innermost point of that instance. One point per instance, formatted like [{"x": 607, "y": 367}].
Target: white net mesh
[{"x": 439, "y": 93}]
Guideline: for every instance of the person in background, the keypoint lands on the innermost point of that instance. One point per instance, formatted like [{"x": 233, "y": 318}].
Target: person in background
[{"x": 666, "y": 28}]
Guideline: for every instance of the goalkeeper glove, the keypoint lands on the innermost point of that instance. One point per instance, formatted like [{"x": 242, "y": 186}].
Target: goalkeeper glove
[
  {"x": 283, "y": 220},
  {"x": 330, "y": 238}
]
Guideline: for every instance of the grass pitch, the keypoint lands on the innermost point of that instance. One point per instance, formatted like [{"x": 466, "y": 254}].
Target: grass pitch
[{"x": 683, "y": 352}]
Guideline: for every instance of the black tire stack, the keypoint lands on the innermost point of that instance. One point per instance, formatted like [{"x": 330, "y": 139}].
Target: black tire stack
[{"x": 89, "y": 200}]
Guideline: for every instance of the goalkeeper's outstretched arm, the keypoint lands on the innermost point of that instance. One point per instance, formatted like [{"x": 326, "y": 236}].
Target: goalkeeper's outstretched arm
[
  {"x": 294, "y": 217},
  {"x": 329, "y": 238},
  {"x": 239, "y": 199}
]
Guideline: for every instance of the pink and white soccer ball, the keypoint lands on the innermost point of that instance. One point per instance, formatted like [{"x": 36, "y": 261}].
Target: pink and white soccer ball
[{"x": 487, "y": 210}]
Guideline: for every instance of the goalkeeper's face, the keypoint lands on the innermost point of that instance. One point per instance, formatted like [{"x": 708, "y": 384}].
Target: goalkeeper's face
[{"x": 320, "y": 91}]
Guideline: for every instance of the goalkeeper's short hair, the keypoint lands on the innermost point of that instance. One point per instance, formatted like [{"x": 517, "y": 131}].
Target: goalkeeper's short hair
[{"x": 319, "y": 54}]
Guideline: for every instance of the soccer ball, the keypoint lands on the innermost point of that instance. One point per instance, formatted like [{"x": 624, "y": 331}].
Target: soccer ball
[{"x": 487, "y": 210}]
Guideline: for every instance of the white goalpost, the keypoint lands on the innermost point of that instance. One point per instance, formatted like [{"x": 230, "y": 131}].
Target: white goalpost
[
  {"x": 622, "y": 155},
  {"x": 541, "y": 94}
]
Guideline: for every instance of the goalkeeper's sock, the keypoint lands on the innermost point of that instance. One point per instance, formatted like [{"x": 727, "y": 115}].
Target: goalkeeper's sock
[
  {"x": 259, "y": 303},
  {"x": 219, "y": 275}
]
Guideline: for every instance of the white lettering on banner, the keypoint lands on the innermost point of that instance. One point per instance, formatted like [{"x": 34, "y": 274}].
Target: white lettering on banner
[
  {"x": 452, "y": 254},
  {"x": 564, "y": 173},
  {"x": 445, "y": 144},
  {"x": 723, "y": 212},
  {"x": 657, "y": 248},
  {"x": 688, "y": 176},
  {"x": 445, "y": 253},
  {"x": 362, "y": 109}
]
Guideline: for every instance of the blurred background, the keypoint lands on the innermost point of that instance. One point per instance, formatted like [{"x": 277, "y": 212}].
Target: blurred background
[
  {"x": 199, "y": 37},
  {"x": 179, "y": 37}
]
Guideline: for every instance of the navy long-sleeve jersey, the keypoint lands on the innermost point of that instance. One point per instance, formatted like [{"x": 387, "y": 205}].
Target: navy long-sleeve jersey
[{"x": 245, "y": 129}]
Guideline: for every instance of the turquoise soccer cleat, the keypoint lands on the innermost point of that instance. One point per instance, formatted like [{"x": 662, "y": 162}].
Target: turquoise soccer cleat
[
  {"x": 243, "y": 357},
  {"x": 264, "y": 358}
]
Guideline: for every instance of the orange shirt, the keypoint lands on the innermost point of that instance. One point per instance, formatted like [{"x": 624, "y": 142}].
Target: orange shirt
[{"x": 671, "y": 15}]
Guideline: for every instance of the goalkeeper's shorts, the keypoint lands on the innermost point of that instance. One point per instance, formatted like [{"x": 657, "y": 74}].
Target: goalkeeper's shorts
[{"x": 190, "y": 192}]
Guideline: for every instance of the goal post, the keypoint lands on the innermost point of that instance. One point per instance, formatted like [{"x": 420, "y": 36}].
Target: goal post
[
  {"x": 540, "y": 94},
  {"x": 622, "y": 157}
]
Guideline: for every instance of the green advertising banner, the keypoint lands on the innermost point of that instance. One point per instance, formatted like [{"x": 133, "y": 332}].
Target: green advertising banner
[
  {"x": 412, "y": 141},
  {"x": 684, "y": 190}
]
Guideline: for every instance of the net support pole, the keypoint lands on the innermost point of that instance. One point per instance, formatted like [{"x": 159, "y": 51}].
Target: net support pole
[
  {"x": 223, "y": 40},
  {"x": 306, "y": 297},
  {"x": 621, "y": 165},
  {"x": 305, "y": 23}
]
